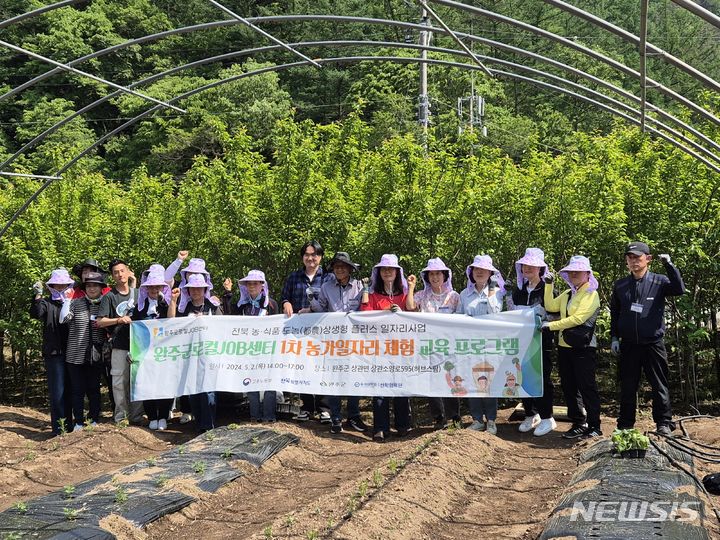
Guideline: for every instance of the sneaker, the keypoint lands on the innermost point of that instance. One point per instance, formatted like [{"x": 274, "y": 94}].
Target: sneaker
[
  {"x": 545, "y": 426},
  {"x": 664, "y": 430},
  {"x": 477, "y": 425},
  {"x": 530, "y": 423},
  {"x": 336, "y": 427},
  {"x": 379, "y": 437},
  {"x": 302, "y": 416},
  {"x": 491, "y": 427},
  {"x": 78, "y": 427},
  {"x": 153, "y": 424},
  {"x": 185, "y": 418},
  {"x": 324, "y": 417},
  {"x": 403, "y": 431},
  {"x": 162, "y": 424},
  {"x": 575, "y": 432},
  {"x": 357, "y": 424},
  {"x": 591, "y": 433}
]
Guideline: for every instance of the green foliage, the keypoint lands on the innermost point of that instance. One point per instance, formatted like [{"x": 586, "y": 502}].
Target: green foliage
[{"x": 629, "y": 439}]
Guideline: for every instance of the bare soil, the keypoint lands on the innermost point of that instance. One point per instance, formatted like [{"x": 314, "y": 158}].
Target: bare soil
[{"x": 443, "y": 485}]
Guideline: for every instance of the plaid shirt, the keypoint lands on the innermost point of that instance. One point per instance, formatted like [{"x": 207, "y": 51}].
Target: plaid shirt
[{"x": 295, "y": 286}]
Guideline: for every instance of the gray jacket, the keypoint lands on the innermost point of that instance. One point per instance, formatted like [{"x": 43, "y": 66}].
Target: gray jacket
[{"x": 334, "y": 297}]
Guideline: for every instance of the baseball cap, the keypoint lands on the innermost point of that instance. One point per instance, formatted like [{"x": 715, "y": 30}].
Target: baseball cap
[{"x": 637, "y": 248}]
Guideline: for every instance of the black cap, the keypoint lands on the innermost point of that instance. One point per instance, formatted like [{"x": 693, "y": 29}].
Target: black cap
[
  {"x": 89, "y": 263},
  {"x": 94, "y": 277},
  {"x": 343, "y": 257},
  {"x": 637, "y": 248},
  {"x": 115, "y": 262}
]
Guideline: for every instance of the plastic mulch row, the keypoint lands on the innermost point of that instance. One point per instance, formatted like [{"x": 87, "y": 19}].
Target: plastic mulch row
[
  {"x": 619, "y": 504},
  {"x": 142, "y": 493}
]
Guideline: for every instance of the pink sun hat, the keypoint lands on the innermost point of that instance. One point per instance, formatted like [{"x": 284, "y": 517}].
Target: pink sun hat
[
  {"x": 579, "y": 263},
  {"x": 253, "y": 275},
  {"x": 533, "y": 257},
  {"x": 388, "y": 260},
  {"x": 437, "y": 265},
  {"x": 485, "y": 262}
]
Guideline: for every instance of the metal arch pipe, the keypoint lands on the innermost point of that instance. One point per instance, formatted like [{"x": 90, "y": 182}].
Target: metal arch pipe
[
  {"x": 707, "y": 16},
  {"x": 343, "y": 43},
  {"x": 338, "y": 18},
  {"x": 635, "y": 40},
  {"x": 582, "y": 49},
  {"x": 38, "y": 11},
  {"x": 333, "y": 60},
  {"x": 643, "y": 60}
]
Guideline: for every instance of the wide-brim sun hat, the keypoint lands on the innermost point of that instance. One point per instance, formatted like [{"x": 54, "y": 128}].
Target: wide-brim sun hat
[
  {"x": 343, "y": 257},
  {"x": 97, "y": 278},
  {"x": 485, "y": 262},
  {"x": 87, "y": 263},
  {"x": 60, "y": 276},
  {"x": 533, "y": 257},
  {"x": 579, "y": 263},
  {"x": 437, "y": 265},
  {"x": 388, "y": 260},
  {"x": 196, "y": 281},
  {"x": 253, "y": 275}
]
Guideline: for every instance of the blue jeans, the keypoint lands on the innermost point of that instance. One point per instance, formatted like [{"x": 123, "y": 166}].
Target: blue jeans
[
  {"x": 480, "y": 406},
  {"x": 203, "y": 410},
  {"x": 59, "y": 392},
  {"x": 335, "y": 403},
  {"x": 269, "y": 405},
  {"x": 381, "y": 414},
  {"x": 85, "y": 382}
]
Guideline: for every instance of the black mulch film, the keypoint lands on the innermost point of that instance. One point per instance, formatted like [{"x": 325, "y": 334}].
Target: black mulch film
[
  {"x": 142, "y": 493},
  {"x": 611, "y": 498}
]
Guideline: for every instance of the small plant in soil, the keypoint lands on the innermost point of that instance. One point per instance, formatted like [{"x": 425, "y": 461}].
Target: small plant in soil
[
  {"x": 54, "y": 446},
  {"x": 626, "y": 440},
  {"x": 71, "y": 514},
  {"x": 255, "y": 440},
  {"x": 12, "y": 536},
  {"x": 393, "y": 465},
  {"x": 199, "y": 467},
  {"x": 233, "y": 426},
  {"x": 182, "y": 449},
  {"x": 377, "y": 478},
  {"x": 68, "y": 492},
  {"x": 227, "y": 454},
  {"x": 30, "y": 456},
  {"x": 362, "y": 489},
  {"x": 352, "y": 504},
  {"x": 121, "y": 495},
  {"x": 209, "y": 436},
  {"x": 267, "y": 531},
  {"x": 21, "y": 507},
  {"x": 289, "y": 521},
  {"x": 161, "y": 480},
  {"x": 151, "y": 461},
  {"x": 312, "y": 535},
  {"x": 62, "y": 424},
  {"x": 88, "y": 425}
]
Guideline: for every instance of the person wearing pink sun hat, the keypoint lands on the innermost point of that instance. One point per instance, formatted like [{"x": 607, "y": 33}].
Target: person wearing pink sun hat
[
  {"x": 578, "y": 307},
  {"x": 530, "y": 293}
]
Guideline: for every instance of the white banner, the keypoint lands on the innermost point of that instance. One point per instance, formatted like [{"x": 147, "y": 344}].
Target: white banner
[{"x": 374, "y": 353}]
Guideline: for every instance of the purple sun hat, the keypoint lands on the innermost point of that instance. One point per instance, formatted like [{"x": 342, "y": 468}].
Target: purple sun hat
[
  {"x": 437, "y": 264},
  {"x": 389, "y": 260},
  {"x": 152, "y": 278},
  {"x": 59, "y": 276},
  {"x": 533, "y": 257},
  {"x": 195, "y": 266},
  {"x": 485, "y": 261},
  {"x": 154, "y": 269},
  {"x": 253, "y": 275},
  {"x": 579, "y": 263},
  {"x": 194, "y": 280}
]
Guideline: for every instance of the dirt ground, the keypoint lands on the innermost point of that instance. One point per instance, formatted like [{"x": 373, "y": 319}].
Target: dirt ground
[{"x": 444, "y": 485}]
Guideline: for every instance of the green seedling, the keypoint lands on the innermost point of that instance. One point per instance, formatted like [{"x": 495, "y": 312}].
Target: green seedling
[
  {"x": 362, "y": 489},
  {"x": 182, "y": 449},
  {"x": 629, "y": 439},
  {"x": 267, "y": 531},
  {"x": 122, "y": 424},
  {"x": 352, "y": 504},
  {"x": 62, "y": 424},
  {"x": 12, "y": 536},
  {"x": 121, "y": 495},
  {"x": 151, "y": 461},
  {"x": 88, "y": 425},
  {"x": 393, "y": 465},
  {"x": 330, "y": 524},
  {"x": 227, "y": 454},
  {"x": 199, "y": 467},
  {"x": 115, "y": 481},
  {"x": 30, "y": 456},
  {"x": 209, "y": 436},
  {"x": 70, "y": 514},
  {"x": 54, "y": 446},
  {"x": 162, "y": 480},
  {"x": 21, "y": 507},
  {"x": 289, "y": 521},
  {"x": 255, "y": 440},
  {"x": 233, "y": 426},
  {"x": 68, "y": 492},
  {"x": 377, "y": 479},
  {"x": 312, "y": 535}
]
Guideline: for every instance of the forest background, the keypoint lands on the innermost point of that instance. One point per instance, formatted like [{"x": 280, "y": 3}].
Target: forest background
[{"x": 259, "y": 165}]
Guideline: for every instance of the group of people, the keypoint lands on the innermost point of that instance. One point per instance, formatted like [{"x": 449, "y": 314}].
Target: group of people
[{"x": 86, "y": 334}]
